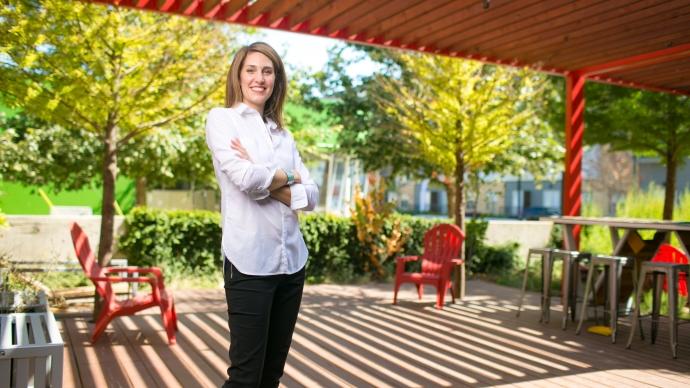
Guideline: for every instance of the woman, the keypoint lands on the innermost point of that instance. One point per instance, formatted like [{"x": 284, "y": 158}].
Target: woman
[{"x": 263, "y": 183}]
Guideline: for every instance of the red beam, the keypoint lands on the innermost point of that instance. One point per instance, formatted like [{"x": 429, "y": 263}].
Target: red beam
[
  {"x": 641, "y": 60},
  {"x": 574, "y": 132},
  {"x": 636, "y": 85}
]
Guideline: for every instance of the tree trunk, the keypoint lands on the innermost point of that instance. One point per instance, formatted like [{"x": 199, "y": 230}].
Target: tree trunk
[
  {"x": 459, "y": 193},
  {"x": 459, "y": 285},
  {"x": 141, "y": 191},
  {"x": 105, "y": 245},
  {"x": 670, "y": 191},
  {"x": 450, "y": 195}
]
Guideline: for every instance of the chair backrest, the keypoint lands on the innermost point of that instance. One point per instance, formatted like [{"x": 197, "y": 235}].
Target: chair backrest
[
  {"x": 441, "y": 244},
  {"x": 87, "y": 259}
]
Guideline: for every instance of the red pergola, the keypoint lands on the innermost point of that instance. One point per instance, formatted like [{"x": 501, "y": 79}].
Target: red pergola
[{"x": 634, "y": 43}]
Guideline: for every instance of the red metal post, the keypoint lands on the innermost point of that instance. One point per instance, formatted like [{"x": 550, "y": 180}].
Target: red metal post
[{"x": 574, "y": 131}]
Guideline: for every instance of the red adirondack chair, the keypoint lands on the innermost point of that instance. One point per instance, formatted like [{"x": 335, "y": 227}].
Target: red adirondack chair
[
  {"x": 442, "y": 245},
  {"x": 112, "y": 307}
]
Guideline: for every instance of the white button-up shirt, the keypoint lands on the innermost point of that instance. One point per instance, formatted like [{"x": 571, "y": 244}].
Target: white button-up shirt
[{"x": 261, "y": 235}]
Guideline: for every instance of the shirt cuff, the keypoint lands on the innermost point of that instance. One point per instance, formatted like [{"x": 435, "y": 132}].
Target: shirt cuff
[
  {"x": 298, "y": 197},
  {"x": 259, "y": 194}
]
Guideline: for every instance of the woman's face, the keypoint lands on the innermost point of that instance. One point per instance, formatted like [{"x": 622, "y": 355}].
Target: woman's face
[{"x": 256, "y": 80}]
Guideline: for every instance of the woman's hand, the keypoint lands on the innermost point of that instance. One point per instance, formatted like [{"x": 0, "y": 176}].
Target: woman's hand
[
  {"x": 282, "y": 194},
  {"x": 242, "y": 153}
]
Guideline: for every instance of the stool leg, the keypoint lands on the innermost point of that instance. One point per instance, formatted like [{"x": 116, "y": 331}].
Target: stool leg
[
  {"x": 636, "y": 309},
  {"x": 613, "y": 298},
  {"x": 574, "y": 286},
  {"x": 588, "y": 287},
  {"x": 565, "y": 290},
  {"x": 524, "y": 285},
  {"x": 672, "y": 280},
  {"x": 547, "y": 269},
  {"x": 656, "y": 303}
]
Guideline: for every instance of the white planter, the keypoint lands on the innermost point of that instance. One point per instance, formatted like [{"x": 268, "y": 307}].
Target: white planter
[{"x": 31, "y": 347}]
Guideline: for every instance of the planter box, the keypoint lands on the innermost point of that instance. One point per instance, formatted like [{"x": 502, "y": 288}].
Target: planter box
[
  {"x": 31, "y": 347},
  {"x": 22, "y": 302}
]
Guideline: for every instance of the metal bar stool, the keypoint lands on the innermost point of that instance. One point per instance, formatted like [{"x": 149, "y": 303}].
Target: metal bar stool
[
  {"x": 613, "y": 267},
  {"x": 545, "y": 256},
  {"x": 571, "y": 260},
  {"x": 657, "y": 269},
  {"x": 570, "y": 281}
]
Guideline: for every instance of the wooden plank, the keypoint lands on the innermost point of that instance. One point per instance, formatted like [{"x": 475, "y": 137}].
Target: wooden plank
[
  {"x": 259, "y": 7},
  {"x": 555, "y": 23},
  {"x": 558, "y": 39},
  {"x": 408, "y": 14},
  {"x": 303, "y": 11},
  {"x": 96, "y": 363},
  {"x": 364, "y": 347},
  {"x": 401, "y": 32},
  {"x": 617, "y": 45},
  {"x": 358, "y": 12},
  {"x": 675, "y": 63},
  {"x": 147, "y": 356},
  {"x": 457, "y": 18},
  {"x": 504, "y": 21},
  {"x": 282, "y": 9},
  {"x": 187, "y": 359},
  {"x": 70, "y": 374}
]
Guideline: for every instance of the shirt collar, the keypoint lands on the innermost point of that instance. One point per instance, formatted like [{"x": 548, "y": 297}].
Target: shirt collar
[{"x": 244, "y": 109}]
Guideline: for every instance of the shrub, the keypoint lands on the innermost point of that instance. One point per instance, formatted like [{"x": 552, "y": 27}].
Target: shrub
[
  {"x": 186, "y": 242},
  {"x": 380, "y": 235},
  {"x": 179, "y": 241},
  {"x": 332, "y": 256}
]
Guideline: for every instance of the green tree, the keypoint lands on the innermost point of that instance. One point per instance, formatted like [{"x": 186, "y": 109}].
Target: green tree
[
  {"x": 644, "y": 122},
  {"x": 114, "y": 73},
  {"x": 36, "y": 153},
  {"x": 367, "y": 131},
  {"x": 315, "y": 131},
  {"x": 468, "y": 117}
]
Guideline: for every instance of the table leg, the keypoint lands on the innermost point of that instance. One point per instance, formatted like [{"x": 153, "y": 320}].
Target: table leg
[{"x": 569, "y": 237}]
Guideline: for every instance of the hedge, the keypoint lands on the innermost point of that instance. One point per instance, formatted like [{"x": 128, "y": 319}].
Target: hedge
[{"x": 189, "y": 241}]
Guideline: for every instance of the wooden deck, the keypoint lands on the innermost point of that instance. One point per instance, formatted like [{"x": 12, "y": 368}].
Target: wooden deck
[{"x": 353, "y": 336}]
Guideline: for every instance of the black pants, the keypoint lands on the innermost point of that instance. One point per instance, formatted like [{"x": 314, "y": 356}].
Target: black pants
[{"x": 262, "y": 313}]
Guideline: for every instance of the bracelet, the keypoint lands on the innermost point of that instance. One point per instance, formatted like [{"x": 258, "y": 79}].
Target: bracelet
[{"x": 290, "y": 177}]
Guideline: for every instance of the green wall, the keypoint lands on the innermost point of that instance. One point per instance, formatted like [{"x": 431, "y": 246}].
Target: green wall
[{"x": 16, "y": 198}]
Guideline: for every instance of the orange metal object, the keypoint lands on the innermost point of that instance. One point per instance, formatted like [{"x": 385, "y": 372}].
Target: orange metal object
[{"x": 669, "y": 254}]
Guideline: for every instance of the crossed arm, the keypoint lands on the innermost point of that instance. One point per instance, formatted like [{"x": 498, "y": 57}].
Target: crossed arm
[{"x": 279, "y": 189}]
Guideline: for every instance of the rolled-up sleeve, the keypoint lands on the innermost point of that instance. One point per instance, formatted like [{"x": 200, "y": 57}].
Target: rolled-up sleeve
[
  {"x": 250, "y": 178},
  {"x": 303, "y": 196}
]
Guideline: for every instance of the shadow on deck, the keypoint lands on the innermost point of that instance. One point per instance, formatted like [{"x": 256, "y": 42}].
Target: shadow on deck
[{"x": 353, "y": 336}]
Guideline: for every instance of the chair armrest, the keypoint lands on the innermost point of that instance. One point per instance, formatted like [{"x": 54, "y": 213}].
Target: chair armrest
[
  {"x": 405, "y": 259},
  {"x": 154, "y": 270},
  {"x": 117, "y": 279}
]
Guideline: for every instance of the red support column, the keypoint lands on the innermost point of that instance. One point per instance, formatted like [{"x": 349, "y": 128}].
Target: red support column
[{"x": 574, "y": 131}]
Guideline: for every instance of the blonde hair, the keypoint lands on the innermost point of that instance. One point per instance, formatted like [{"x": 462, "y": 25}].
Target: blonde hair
[{"x": 233, "y": 92}]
